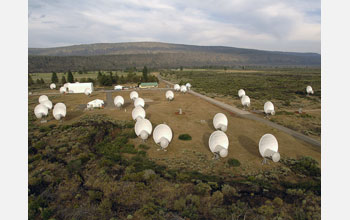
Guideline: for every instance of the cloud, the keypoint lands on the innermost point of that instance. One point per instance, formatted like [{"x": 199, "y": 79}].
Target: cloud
[{"x": 292, "y": 25}]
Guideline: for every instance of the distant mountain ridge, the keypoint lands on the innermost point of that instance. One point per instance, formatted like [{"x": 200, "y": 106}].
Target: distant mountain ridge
[{"x": 161, "y": 55}]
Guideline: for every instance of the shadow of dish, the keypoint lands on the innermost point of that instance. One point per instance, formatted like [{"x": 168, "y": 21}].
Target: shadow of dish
[
  {"x": 210, "y": 124},
  {"x": 250, "y": 145},
  {"x": 205, "y": 139}
]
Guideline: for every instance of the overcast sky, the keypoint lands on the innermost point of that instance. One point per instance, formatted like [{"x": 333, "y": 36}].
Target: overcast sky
[{"x": 284, "y": 25}]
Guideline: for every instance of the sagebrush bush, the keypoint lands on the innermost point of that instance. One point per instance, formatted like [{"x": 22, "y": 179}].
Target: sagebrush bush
[
  {"x": 185, "y": 137},
  {"x": 233, "y": 162}
]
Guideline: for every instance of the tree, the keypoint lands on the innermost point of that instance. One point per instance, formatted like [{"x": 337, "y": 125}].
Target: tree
[
  {"x": 70, "y": 77},
  {"x": 116, "y": 78},
  {"x": 63, "y": 80},
  {"x": 30, "y": 80},
  {"x": 80, "y": 72},
  {"x": 38, "y": 81},
  {"x": 181, "y": 68},
  {"x": 145, "y": 74},
  {"x": 42, "y": 81},
  {"x": 54, "y": 78}
]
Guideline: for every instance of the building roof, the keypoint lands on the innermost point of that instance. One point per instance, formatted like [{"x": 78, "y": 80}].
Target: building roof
[{"x": 149, "y": 84}]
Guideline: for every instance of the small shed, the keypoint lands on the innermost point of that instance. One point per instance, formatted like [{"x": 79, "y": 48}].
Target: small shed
[
  {"x": 79, "y": 87},
  {"x": 118, "y": 87},
  {"x": 97, "y": 103},
  {"x": 148, "y": 85}
]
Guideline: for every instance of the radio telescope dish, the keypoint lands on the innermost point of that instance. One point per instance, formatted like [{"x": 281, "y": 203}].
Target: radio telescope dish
[
  {"x": 40, "y": 111},
  {"x": 87, "y": 91},
  {"x": 218, "y": 143},
  {"x": 177, "y": 87},
  {"x": 52, "y": 86},
  {"x": 183, "y": 89},
  {"x": 138, "y": 113},
  {"x": 220, "y": 122},
  {"x": 59, "y": 112},
  {"x": 134, "y": 95},
  {"x": 66, "y": 85},
  {"x": 188, "y": 86},
  {"x": 169, "y": 95},
  {"x": 162, "y": 135},
  {"x": 43, "y": 98},
  {"x": 139, "y": 102},
  {"x": 269, "y": 108},
  {"x": 143, "y": 128},
  {"x": 63, "y": 90},
  {"x": 47, "y": 103},
  {"x": 245, "y": 101},
  {"x": 268, "y": 147},
  {"x": 118, "y": 101},
  {"x": 60, "y": 105},
  {"x": 241, "y": 93},
  {"x": 309, "y": 90}
]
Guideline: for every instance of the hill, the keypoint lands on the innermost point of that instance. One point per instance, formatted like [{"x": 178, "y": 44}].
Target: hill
[{"x": 110, "y": 56}]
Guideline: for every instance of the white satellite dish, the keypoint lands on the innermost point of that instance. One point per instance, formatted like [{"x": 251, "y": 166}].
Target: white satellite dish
[
  {"x": 241, "y": 93},
  {"x": 119, "y": 101},
  {"x": 60, "y": 105},
  {"x": 188, "y": 86},
  {"x": 183, "y": 89},
  {"x": 268, "y": 147},
  {"x": 177, "y": 87},
  {"x": 40, "y": 111},
  {"x": 66, "y": 85},
  {"x": 218, "y": 143},
  {"x": 139, "y": 102},
  {"x": 169, "y": 95},
  {"x": 134, "y": 95},
  {"x": 309, "y": 90},
  {"x": 162, "y": 135},
  {"x": 220, "y": 122},
  {"x": 143, "y": 128},
  {"x": 47, "y": 103},
  {"x": 52, "y": 86},
  {"x": 63, "y": 90},
  {"x": 87, "y": 91},
  {"x": 269, "y": 108},
  {"x": 59, "y": 112},
  {"x": 245, "y": 100},
  {"x": 138, "y": 113},
  {"x": 43, "y": 98}
]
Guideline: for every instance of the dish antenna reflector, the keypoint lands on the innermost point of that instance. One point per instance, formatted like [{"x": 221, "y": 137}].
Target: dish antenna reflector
[
  {"x": 66, "y": 85},
  {"x": 118, "y": 101},
  {"x": 143, "y": 128},
  {"x": 309, "y": 90},
  {"x": 177, "y": 87},
  {"x": 218, "y": 143},
  {"x": 220, "y": 122},
  {"x": 138, "y": 113},
  {"x": 87, "y": 91},
  {"x": 43, "y": 98},
  {"x": 134, "y": 95},
  {"x": 40, "y": 111},
  {"x": 139, "y": 102},
  {"x": 59, "y": 105},
  {"x": 162, "y": 135},
  {"x": 52, "y": 86},
  {"x": 183, "y": 89},
  {"x": 269, "y": 108},
  {"x": 59, "y": 111},
  {"x": 47, "y": 103},
  {"x": 169, "y": 95},
  {"x": 245, "y": 101},
  {"x": 268, "y": 147},
  {"x": 63, "y": 90},
  {"x": 241, "y": 93},
  {"x": 188, "y": 86}
]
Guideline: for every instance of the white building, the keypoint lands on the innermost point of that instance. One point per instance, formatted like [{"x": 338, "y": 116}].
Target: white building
[
  {"x": 97, "y": 103},
  {"x": 79, "y": 87},
  {"x": 118, "y": 87}
]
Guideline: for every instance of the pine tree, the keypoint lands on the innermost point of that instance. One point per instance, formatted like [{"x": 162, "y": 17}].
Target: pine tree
[
  {"x": 54, "y": 78},
  {"x": 42, "y": 81},
  {"x": 63, "y": 80},
  {"x": 70, "y": 77},
  {"x": 145, "y": 74},
  {"x": 30, "y": 80}
]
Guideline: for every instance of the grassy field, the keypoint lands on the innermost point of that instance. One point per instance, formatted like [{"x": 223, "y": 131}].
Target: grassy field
[
  {"x": 284, "y": 87},
  {"x": 92, "y": 166}
]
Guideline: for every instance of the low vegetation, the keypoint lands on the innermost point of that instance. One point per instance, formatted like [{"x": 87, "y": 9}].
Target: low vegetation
[
  {"x": 185, "y": 137},
  {"x": 91, "y": 170}
]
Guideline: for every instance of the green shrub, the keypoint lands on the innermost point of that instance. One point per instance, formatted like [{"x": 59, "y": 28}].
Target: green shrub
[
  {"x": 40, "y": 145},
  {"x": 202, "y": 189},
  {"x": 44, "y": 129},
  {"x": 95, "y": 195},
  {"x": 278, "y": 202},
  {"x": 46, "y": 213},
  {"x": 233, "y": 162},
  {"x": 185, "y": 137},
  {"x": 143, "y": 146},
  {"x": 74, "y": 166}
]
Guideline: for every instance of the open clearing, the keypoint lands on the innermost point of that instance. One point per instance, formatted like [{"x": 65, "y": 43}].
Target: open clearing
[{"x": 243, "y": 134}]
